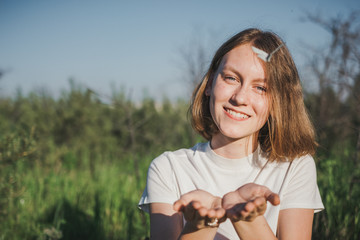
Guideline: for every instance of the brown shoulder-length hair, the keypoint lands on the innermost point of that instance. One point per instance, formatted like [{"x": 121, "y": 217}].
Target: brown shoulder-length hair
[{"x": 288, "y": 133}]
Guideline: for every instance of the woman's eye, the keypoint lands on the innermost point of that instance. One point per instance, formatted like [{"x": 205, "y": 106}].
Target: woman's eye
[
  {"x": 261, "y": 89},
  {"x": 230, "y": 78}
]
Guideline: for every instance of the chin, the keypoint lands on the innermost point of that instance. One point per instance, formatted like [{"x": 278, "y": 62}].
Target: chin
[{"x": 231, "y": 136}]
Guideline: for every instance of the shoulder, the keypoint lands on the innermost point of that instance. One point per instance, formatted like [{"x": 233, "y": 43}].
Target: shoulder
[
  {"x": 305, "y": 164},
  {"x": 301, "y": 190},
  {"x": 168, "y": 158},
  {"x": 302, "y": 174}
]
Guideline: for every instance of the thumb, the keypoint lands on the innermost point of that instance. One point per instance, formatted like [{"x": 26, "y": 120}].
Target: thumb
[
  {"x": 179, "y": 205},
  {"x": 273, "y": 198}
]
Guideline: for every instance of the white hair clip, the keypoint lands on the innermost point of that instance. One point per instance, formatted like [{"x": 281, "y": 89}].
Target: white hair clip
[{"x": 264, "y": 55}]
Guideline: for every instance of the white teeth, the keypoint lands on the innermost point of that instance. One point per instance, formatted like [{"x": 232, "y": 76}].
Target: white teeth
[{"x": 236, "y": 114}]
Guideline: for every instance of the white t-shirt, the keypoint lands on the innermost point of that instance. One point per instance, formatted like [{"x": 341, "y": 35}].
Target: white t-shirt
[{"x": 173, "y": 174}]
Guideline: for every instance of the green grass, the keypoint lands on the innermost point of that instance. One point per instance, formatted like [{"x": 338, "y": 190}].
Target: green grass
[
  {"x": 338, "y": 180},
  {"x": 99, "y": 201},
  {"x": 78, "y": 204}
]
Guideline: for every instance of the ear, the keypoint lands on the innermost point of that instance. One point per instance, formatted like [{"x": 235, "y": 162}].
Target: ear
[
  {"x": 207, "y": 91},
  {"x": 208, "y": 88}
]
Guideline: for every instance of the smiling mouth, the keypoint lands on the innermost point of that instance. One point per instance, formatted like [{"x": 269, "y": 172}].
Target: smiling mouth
[{"x": 236, "y": 114}]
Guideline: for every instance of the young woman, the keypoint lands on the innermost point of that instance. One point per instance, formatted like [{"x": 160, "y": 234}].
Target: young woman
[{"x": 249, "y": 106}]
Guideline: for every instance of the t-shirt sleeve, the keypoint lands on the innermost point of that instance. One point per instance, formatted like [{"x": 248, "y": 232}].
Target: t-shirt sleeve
[
  {"x": 302, "y": 190},
  {"x": 160, "y": 185}
]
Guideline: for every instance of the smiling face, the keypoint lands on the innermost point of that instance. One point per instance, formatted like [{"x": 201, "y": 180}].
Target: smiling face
[{"x": 239, "y": 103}]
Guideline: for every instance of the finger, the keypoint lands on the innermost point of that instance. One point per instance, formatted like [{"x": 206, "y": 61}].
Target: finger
[
  {"x": 270, "y": 196},
  {"x": 233, "y": 215},
  {"x": 196, "y": 205},
  {"x": 184, "y": 200},
  {"x": 273, "y": 198},
  {"x": 217, "y": 203},
  {"x": 237, "y": 212},
  {"x": 202, "y": 212},
  {"x": 253, "y": 209},
  {"x": 223, "y": 217},
  {"x": 261, "y": 205},
  {"x": 220, "y": 213},
  {"x": 211, "y": 213},
  {"x": 249, "y": 207},
  {"x": 261, "y": 209},
  {"x": 259, "y": 201},
  {"x": 179, "y": 205},
  {"x": 189, "y": 212},
  {"x": 251, "y": 216},
  {"x": 215, "y": 212}
]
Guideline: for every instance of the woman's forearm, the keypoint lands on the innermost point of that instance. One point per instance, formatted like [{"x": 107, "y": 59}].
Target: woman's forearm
[
  {"x": 189, "y": 232},
  {"x": 257, "y": 229}
]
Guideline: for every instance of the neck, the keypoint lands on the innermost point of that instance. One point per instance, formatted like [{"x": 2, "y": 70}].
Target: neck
[{"x": 233, "y": 148}]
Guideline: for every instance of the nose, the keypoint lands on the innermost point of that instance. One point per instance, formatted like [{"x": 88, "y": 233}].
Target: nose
[{"x": 240, "y": 96}]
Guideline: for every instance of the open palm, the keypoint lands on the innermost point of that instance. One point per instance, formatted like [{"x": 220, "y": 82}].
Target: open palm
[
  {"x": 198, "y": 206},
  {"x": 248, "y": 202}
]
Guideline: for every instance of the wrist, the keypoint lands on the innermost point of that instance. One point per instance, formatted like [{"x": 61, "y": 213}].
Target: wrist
[
  {"x": 191, "y": 227},
  {"x": 203, "y": 223},
  {"x": 197, "y": 231}
]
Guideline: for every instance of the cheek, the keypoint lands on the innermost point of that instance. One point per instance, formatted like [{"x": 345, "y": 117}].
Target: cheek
[
  {"x": 219, "y": 88},
  {"x": 222, "y": 93},
  {"x": 262, "y": 109}
]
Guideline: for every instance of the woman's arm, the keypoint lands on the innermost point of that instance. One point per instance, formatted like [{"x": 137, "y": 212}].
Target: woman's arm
[
  {"x": 245, "y": 208},
  {"x": 256, "y": 229},
  {"x": 165, "y": 223},
  {"x": 295, "y": 224},
  {"x": 198, "y": 208}
]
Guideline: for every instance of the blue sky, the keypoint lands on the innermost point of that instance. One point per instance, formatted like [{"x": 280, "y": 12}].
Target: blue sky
[{"x": 107, "y": 45}]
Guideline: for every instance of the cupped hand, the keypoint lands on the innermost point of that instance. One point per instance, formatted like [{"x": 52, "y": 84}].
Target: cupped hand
[
  {"x": 248, "y": 202},
  {"x": 200, "y": 207}
]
